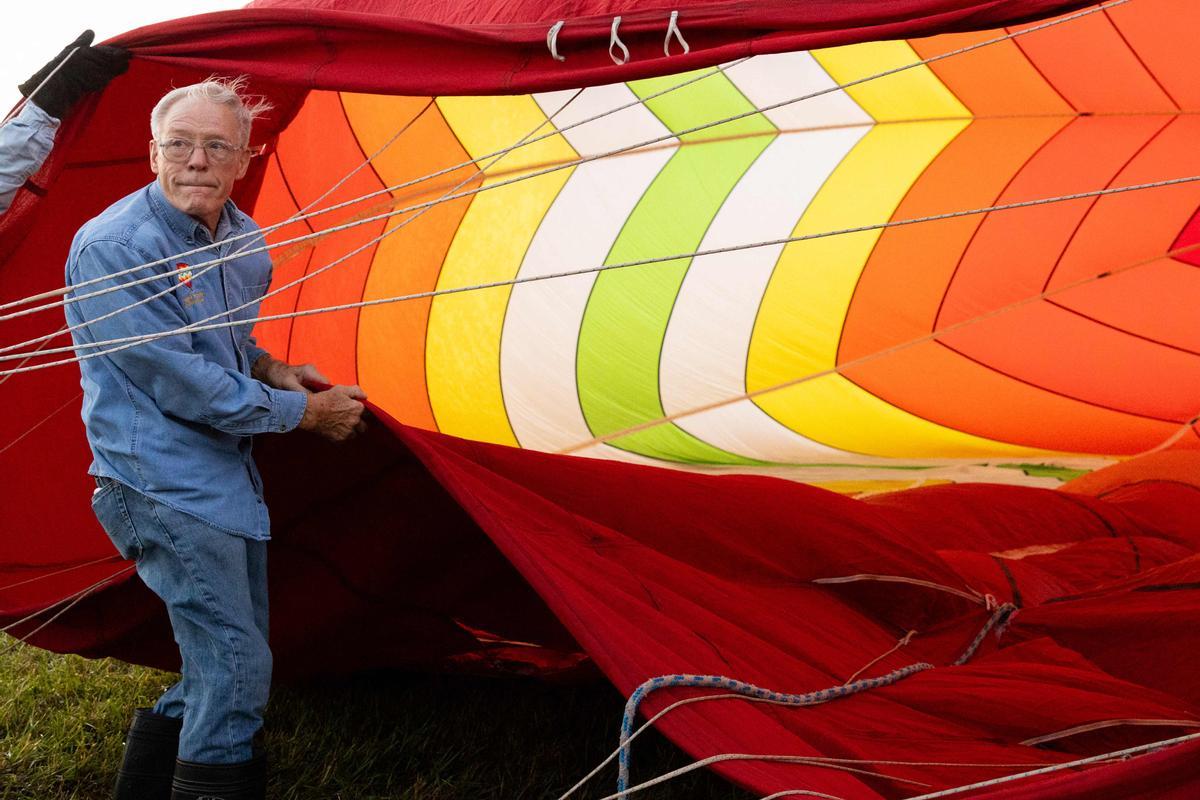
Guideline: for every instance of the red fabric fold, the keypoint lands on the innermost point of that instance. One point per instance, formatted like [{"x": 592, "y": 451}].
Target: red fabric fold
[{"x": 415, "y": 549}]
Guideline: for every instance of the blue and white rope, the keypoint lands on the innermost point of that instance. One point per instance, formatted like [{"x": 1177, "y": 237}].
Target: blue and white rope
[{"x": 742, "y": 688}]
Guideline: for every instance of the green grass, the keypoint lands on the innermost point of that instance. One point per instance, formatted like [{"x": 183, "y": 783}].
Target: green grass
[{"x": 402, "y": 736}]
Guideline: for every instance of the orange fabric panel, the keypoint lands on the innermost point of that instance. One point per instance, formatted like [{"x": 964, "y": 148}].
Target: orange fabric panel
[
  {"x": 391, "y": 345},
  {"x": 898, "y": 296},
  {"x": 899, "y": 292},
  {"x": 1015, "y": 251},
  {"x": 317, "y": 150},
  {"x": 1159, "y": 300},
  {"x": 1180, "y": 466},
  {"x": 1163, "y": 32},
  {"x": 1093, "y": 67},
  {"x": 274, "y": 204},
  {"x": 935, "y": 383},
  {"x": 973, "y": 76},
  {"x": 1064, "y": 352}
]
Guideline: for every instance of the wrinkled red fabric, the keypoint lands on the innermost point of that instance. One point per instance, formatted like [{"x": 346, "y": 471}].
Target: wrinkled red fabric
[
  {"x": 412, "y": 548},
  {"x": 434, "y": 47}
]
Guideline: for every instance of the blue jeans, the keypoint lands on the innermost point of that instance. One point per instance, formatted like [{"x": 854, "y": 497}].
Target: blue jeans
[{"x": 214, "y": 585}]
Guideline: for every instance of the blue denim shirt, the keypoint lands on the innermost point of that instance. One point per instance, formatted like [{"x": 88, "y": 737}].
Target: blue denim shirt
[
  {"x": 173, "y": 418},
  {"x": 24, "y": 144}
]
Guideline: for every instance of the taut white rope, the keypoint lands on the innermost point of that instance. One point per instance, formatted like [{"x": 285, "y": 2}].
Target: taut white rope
[
  {"x": 337, "y": 207},
  {"x": 567, "y": 164},
  {"x": 1083, "y": 762},
  {"x": 887, "y": 351},
  {"x": 131, "y": 341},
  {"x": 17, "y": 108},
  {"x": 239, "y": 253}
]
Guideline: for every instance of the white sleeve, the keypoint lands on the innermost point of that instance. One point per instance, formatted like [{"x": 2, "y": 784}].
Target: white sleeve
[{"x": 25, "y": 141}]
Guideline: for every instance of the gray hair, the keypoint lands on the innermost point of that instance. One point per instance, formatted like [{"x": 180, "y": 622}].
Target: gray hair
[{"x": 223, "y": 91}]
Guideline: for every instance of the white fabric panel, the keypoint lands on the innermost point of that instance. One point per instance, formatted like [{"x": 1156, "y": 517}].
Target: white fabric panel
[
  {"x": 704, "y": 353},
  {"x": 770, "y": 79},
  {"x": 541, "y": 327}
]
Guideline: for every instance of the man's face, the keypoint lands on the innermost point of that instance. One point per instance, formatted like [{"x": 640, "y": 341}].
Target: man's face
[{"x": 198, "y": 186}]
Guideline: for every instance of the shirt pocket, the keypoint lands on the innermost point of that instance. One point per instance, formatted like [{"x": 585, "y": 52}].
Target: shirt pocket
[{"x": 251, "y": 295}]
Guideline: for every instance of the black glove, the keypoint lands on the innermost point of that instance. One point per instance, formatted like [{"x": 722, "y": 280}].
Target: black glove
[{"x": 90, "y": 69}]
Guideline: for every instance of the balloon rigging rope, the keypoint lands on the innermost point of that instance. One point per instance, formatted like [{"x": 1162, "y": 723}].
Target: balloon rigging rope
[
  {"x": 736, "y": 689},
  {"x": 29, "y": 98},
  {"x": 999, "y": 616},
  {"x": 379, "y": 152},
  {"x": 676, "y": 135},
  {"x": 125, "y": 342},
  {"x": 760, "y": 695},
  {"x": 749, "y": 692},
  {"x": 62, "y": 571},
  {"x": 889, "y": 351},
  {"x": 71, "y": 601},
  {"x": 42, "y": 350},
  {"x": 241, "y": 252},
  {"x": 1118, "y": 755},
  {"x": 4, "y": 375},
  {"x": 44, "y": 340},
  {"x": 493, "y": 157},
  {"x": 688, "y": 701},
  {"x": 334, "y": 188}
]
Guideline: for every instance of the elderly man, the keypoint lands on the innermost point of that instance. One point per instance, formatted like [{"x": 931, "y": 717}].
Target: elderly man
[
  {"x": 170, "y": 423},
  {"x": 26, "y": 139}
]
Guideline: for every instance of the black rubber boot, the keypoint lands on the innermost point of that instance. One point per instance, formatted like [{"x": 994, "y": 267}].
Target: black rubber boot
[
  {"x": 244, "y": 781},
  {"x": 150, "y": 749}
]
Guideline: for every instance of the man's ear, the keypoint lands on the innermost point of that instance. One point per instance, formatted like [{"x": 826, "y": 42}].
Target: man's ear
[
  {"x": 244, "y": 158},
  {"x": 154, "y": 156}
]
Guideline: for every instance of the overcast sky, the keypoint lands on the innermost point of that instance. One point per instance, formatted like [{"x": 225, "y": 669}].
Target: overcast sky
[{"x": 35, "y": 30}]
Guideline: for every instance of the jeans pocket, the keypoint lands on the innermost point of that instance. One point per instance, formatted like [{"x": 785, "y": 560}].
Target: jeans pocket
[{"x": 108, "y": 504}]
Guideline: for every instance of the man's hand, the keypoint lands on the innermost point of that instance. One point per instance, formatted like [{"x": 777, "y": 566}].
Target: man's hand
[
  {"x": 335, "y": 414},
  {"x": 280, "y": 375}
]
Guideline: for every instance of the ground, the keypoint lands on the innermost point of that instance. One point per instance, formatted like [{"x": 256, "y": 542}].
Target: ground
[{"x": 394, "y": 736}]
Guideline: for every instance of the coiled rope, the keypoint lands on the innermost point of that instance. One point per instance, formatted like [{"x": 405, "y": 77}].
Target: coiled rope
[{"x": 737, "y": 687}]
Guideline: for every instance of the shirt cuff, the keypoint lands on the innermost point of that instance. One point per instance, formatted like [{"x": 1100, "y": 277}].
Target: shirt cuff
[
  {"x": 287, "y": 409},
  {"x": 253, "y": 354},
  {"x": 34, "y": 114}
]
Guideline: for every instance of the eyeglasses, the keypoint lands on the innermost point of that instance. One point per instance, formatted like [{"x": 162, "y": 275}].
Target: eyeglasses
[{"x": 215, "y": 150}]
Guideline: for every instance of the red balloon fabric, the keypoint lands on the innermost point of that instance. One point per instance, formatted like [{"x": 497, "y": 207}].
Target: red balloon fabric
[
  {"x": 410, "y": 548},
  {"x": 413, "y": 548},
  {"x": 430, "y": 47}
]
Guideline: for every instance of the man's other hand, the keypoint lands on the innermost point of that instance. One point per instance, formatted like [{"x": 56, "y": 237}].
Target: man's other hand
[
  {"x": 293, "y": 377},
  {"x": 88, "y": 70},
  {"x": 335, "y": 414}
]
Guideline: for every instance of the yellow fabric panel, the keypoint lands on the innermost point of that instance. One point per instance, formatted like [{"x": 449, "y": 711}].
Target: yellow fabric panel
[
  {"x": 463, "y": 342},
  {"x": 836, "y": 412},
  {"x": 803, "y": 309},
  {"x": 863, "y": 488},
  {"x": 912, "y": 94}
]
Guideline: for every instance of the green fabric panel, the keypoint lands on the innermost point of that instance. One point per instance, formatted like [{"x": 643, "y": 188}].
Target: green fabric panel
[
  {"x": 622, "y": 332},
  {"x": 1048, "y": 471}
]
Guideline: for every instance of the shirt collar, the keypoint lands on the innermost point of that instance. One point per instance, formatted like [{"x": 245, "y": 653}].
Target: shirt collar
[{"x": 188, "y": 227}]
